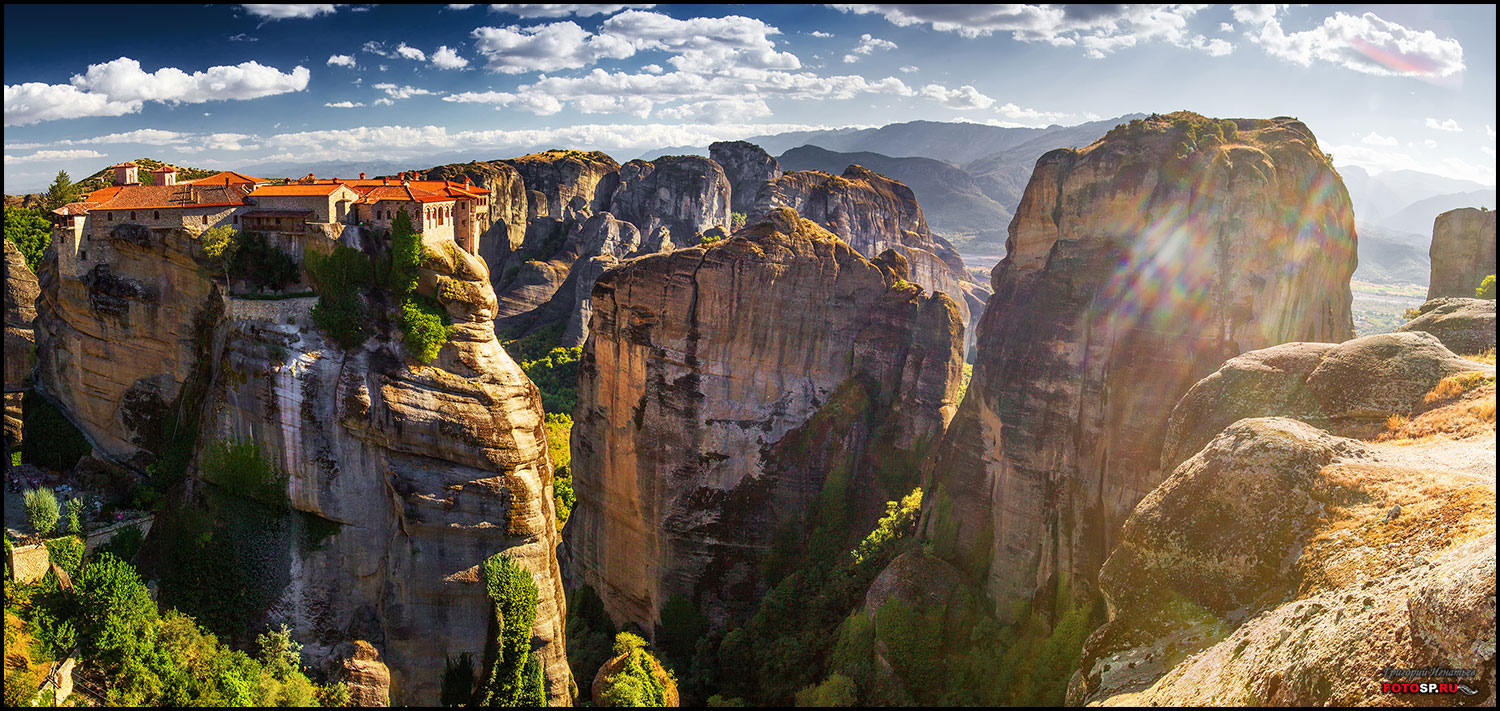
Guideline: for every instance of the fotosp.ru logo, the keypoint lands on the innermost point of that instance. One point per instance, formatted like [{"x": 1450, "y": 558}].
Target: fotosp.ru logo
[{"x": 1428, "y": 687}]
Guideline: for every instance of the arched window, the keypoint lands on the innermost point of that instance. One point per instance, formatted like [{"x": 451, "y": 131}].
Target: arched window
[
  {"x": 132, "y": 215},
  {"x": 109, "y": 217},
  {"x": 156, "y": 214}
]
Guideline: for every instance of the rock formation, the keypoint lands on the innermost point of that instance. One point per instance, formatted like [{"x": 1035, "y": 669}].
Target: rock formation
[
  {"x": 1463, "y": 252},
  {"x": 561, "y": 176},
  {"x": 1282, "y": 564},
  {"x": 358, "y": 665},
  {"x": 724, "y": 386},
  {"x": 508, "y": 208},
  {"x": 20, "y": 344},
  {"x": 415, "y": 473},
  {"x": 687, "y": 195},
  {"x": 1135, "y": 266},
  {"x": 1463, "y": 325},
  {"x": 748, "y": 167},
  {"x": 874, "y": 213}
]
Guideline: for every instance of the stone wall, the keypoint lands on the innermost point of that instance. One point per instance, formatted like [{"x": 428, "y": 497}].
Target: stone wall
[{"x": 28, "y": 563}]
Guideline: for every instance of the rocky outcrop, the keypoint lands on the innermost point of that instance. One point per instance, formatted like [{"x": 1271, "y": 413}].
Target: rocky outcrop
[
  {"x": 748, "y": 167},
  {"x": 1280, "y": 563},
  {"x": 1462, "y": 253},
  {"x": 686, "y": 195},
  {"x": 507, "y": 203},
  {"x": 401, "y": 477},
  {"x": 1135, "y": 266},
  {"x": 874, "y": 213},
  {"x": 357, "y": 664},
  {"x": 21, "y": 292},
  {"x": 561, "y": 176},
  {"x": 724, "y": 387},
  {"x": 1463, "y": 325}
]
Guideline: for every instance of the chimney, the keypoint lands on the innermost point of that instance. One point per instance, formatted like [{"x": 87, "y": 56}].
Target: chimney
[
  {"x": 361, "y": 176},
  {"x": 385, "y": 180},
  {"x": 467, "y": 183},
  {"x": 165, "y": 175},
  {"x": 125, "y": 174}
]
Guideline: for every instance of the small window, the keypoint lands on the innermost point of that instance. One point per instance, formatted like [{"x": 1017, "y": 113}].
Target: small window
[
  {"x": 205, "y": 219},
  {"x": 236, "y": 219},
  {"x": 109, "y": 217},
  {"x": 156, "y": 214},
  {"x": 132, "y": 215},
  {"x": 83, "y": 255}
]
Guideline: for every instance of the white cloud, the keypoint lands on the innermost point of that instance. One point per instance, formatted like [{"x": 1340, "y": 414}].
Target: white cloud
[
  {"x": 447, "y": 58},
  {"x": 52, "y": 155},
  {"x": 817, "y": 33},
  {"x": 1036, "y": 117},
  {"x": 545, "y": 48},
  {"x": 411, "y": 52},
  {"x": 341, "y": 60},
  {"x": 1364, "y": 43},
  {"x": 530, "y": 11},
  {"x": 908, "y": 69},
  {"x": 868, "y": 44},
  {"x": 702, "y": 44},
  {"x": 656, "y": 69},
  {"x": 345, "y": 105},
  {"x": 401, "y": 92},
  {"x": 459, "y": 7},
  {"x": 1449, "y": 125},
  {"x": 242, "y": 37},
  {"x": 378, "y": 48},
  {"x": 1226, "y": 27},
  {"x": 1375, "y": 139},
  {"x": 963, "y": 98},
  {"x": 850, "y": 59},
  {"x": 227, "y": 142},
  {"x": 1430, "y": 143},
  {"x": 120, "y": 86},
  {"x": 1098, "y": 29},
  {"x": 382, "y": 102},
  {"x": 283, "y": 12}
]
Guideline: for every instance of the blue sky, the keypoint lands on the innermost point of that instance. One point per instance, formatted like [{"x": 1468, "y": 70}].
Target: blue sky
[{"x": 231, "y": 86}]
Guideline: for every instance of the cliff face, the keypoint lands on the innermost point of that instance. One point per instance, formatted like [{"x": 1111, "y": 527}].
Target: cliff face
[
  {"x": 874, "y": 213},
  {"x": 1135, "y": 266},
  {"x": 748, "y": 167},
  {"x": 561, "y": 176},
  {"x": 507, "y": 203},
  {"x": 415, "y": 473},
  {"x": 20, "y": 343},
  {"x": 686, "y": 195},
  {"x": 1280, "y": 563},
  {"x": 1463, "y": 252},
  {"x": 724, "y": 387}
]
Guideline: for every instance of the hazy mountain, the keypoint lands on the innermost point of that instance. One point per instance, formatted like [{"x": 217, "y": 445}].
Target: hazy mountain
[
  {"x": 1379, "y": 196},
  {"x": 950, "y": 199},
  {"x": 1389, "y": 256},
  {"x": 1418, "y": 216}
]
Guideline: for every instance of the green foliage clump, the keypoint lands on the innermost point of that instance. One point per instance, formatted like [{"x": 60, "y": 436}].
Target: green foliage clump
[
  {"x": 75, "y": 516},
  {"x": 736, "y": 220},
  {"x": 124, "y": 544},
  {"x": 682, "y": 625},
  {"x": 1486, "y": 288},
  {"x": 556, "y": 375},
  {"x": 262, "y": 263},
  {"x": 639, "y": 681},
  {"x": 67, "y": 553},
  {"x": 242, "y": 470},
  {"x": 836, "y": 690},
  {"x": 514, "y": 595},
  {"x": 118, "y": 616},
  {"x": 41, "y": 510},
  {"x": 559, "y": 431},
  {"x": 61, "y": 192},
  {"x": 590, "y": 634},
  {"x": 457, "y": 685},
  {"x": 425, "y": 325},
  {"x": 406, "y": 256},
  {"x": 30, "y": 232},
  {"x": 340, "y": 277},
  {"x": 48, "y": 439}
]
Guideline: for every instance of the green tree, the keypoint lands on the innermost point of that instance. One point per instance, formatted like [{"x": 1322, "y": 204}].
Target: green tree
[
  {"x": 220, "y": 245},
  {"x": 514, "y": 594},
  {"x": 639, "y": 680},
  {"x": 30, "y": 232},
  {"x": 457, "y": 681},
  {"x": 119, "y": 618},
  {"x": 1486, "y": 288},
  {"x": 41, "y": 510},
  {"x": 61, "y": 192}
]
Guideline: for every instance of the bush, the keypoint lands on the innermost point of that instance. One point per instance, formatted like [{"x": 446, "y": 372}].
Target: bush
[
  {"x": 458, "y": 681},
  {"x": 590, "y": 634},
  {"x": 340, "y": 277},
  {"x": 1486, "y": 288},
  {"x": 514, "y": 594},
  {"x": 67, "y": 553},
  {"x": 425, "y": 325},
  {"x": 263, "y": 264},
  {"x": 41, "y": 510},
  {"x": 124, "y": 544},
  {"x": 30, "y": 232},
  {"x": 640, "y": 681},
  {"x": 736, "y": 220},
  {"x": 836, "y": 690},
  {"x": 77, "y": 514},
  {"x": 118, "y": 616},
  {"x": 556, "y": 375}
]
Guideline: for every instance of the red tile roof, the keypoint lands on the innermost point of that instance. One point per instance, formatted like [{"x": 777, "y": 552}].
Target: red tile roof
[
  {"x": 227, "y": 177},
  {"x": 296, "y": 190},
  {"x": 135, "y": 197}
]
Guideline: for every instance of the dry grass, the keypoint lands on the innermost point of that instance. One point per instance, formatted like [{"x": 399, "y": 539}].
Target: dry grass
[
  {"x": 1455, "y": 385},
  {"x": 1462, "y": 411},
  {"x": 1487, "y": 356}
]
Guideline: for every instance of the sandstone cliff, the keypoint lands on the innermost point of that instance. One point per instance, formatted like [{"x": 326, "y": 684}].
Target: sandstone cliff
[
  {"x": 507, "y": 203},
  {"x": 724, "y": 387},
  {"x": 1282, "y": 564},
  {"x": 561, "y": 176},
  {"x": 748, "y": 167},
  {"x": 20, "y": 344},
  {"x": 1463, "y": 252},
  {"x": 413, "y": 474},
  {"x": 686, "y": 195},
  {"x": 1135, "y": 266},
  {"x": 873, "y": 213}
]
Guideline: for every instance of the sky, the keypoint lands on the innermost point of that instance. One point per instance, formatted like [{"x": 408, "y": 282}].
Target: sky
[{"x": 1384, "y": 87}]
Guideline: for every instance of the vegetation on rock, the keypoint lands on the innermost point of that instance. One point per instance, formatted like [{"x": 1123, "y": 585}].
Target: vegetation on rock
[
  {"x": 634, "y": 678},
  {"x": 514, "y": 675},
  {"x": 30, "y": 232},
  {"x": 1486, "y": 289},
  {"x": 340, "y": 311}
]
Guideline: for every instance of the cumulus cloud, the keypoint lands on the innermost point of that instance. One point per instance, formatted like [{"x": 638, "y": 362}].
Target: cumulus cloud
[
  {"x": 530, "y": 11},
  {"x": 1364, "y": 43},
  {"x": 1098, "y": 29},
  {"x": 702, "y": 44},
  {"x": 1449, "y": 125},
  {"x": 341, "y": 60},
  {"x": 411, "y": 52},
  {"x": 908, "y": 69},
  {"x": 401, "y": 92},
  {"x": 963, "y": 98},
  {"x": 545, "y": 48},
  {"x": 818, "y": 33},
  {"x": 447, "y": 58},
  {"x": 284, "y": 12},
  {"x": 345, "y": 105},
  {"x": 120, "y": 87},
  {"x": 1375, "y": 139},
  {"x": 868, "y": 44},
  {"x": 40, "y": 156}
]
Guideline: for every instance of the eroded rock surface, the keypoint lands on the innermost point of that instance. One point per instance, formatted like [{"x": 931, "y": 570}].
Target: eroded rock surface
[
  {"x": 21, "y": 292},
  {"x": 686, "y": 195},
  {"x": 561, "y": 176},
  {"x": 1463, "y": 252},
  {"x": 1135, "y": 266},
  {"x": 1463, "y": 325},
  {"x": 507, "y": 203},
  {"x": 723, "y": 386},
  {"x": 748, "y": 167}
]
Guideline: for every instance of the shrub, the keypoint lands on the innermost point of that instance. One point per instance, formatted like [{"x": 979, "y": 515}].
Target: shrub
[
  {"x": 41, "y": 510},
  {"x": 590, "y": 634},
  {"x": 1486, "y": 288},
  {"x": 425, "y": 325},
  {"x": 514, "y": 594},
  {"x": 124, "y": 544},
  {"x": 556, "y": 375},
  {"x": 639, "y": 681},
  {"x": 118, "y": 616},
  {"x": 736, "y": 220},
  {"x": 67, "y": 553},
  {"x": 458, "y": 681},
  {"x": 76, "y": 515},
  {"x": 836, "y": 690},
  {"x": 30, "y": 232},
  {"x": 339, "y": 278}
]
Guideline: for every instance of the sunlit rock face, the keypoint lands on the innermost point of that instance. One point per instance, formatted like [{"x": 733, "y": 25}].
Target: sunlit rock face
[
  {"x": 1462, "y": 252},
  {"x": 722, "y": 387},
  {"x": 1135, "y": 266},
  {"x": 561, "y": 176},
  {"x": 748, "y": 167}
]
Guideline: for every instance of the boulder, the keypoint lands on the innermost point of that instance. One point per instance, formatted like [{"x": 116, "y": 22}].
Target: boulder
[
  {"x": 1465, "y": 326},
  {"x": 1462, "y": 252}
]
